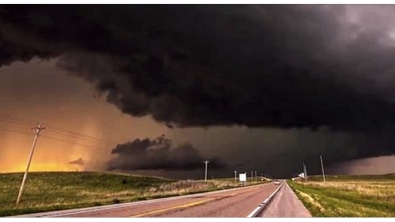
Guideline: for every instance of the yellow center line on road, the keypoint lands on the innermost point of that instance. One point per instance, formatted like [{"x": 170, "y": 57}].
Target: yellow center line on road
[
  {"x": 173, "y": 208},
  {"x": 191, "y": 204}
]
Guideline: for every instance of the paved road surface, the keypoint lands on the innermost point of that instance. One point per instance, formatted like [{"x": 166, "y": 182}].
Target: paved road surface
[
  {"x": 226, "y": 203},
  {"x": 285, "y": 204},
  {"x": 238, "y": 202}
]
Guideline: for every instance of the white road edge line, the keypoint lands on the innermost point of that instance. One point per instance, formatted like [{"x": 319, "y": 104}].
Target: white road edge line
[
  {"x": 262, "y": 205},
  {"x": 114, "y": 206}
]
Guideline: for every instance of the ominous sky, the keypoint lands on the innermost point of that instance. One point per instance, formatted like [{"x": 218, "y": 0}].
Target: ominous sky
[{"x": 249, "y": 87}]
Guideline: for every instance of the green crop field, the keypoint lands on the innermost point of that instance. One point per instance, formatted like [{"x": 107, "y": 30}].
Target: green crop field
[
  {"x": 348, "y": 196},
  {"x": 46, "y": 191}
]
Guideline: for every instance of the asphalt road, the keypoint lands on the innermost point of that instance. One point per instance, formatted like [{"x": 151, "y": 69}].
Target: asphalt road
[{"x": 237, "y": 202}]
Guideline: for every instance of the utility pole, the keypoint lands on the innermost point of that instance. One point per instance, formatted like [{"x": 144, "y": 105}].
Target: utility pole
[
  {"x": 305, "y": 172},
  {"x": 252, "y": 175},
  {"x": 322, "y": 167},
  {"x": 235, "y": 176},
  {"x": 256, "y": 175},
  {"x": 205, "y": 171},
  {"x": 38, "y": 130}
]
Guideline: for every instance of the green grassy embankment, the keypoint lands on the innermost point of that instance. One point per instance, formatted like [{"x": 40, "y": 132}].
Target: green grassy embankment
[
  {"x": 348, "y": 196},
  {"x": 46, "y": 191}
]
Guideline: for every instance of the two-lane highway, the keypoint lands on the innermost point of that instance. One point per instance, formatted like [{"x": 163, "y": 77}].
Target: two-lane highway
[{"x": 237, "y": 202}]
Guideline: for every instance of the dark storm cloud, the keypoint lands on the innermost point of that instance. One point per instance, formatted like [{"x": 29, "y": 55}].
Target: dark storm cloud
[
  {"x": 196, "y": 65},
  {"x": 158, "y": 154},
  {"x": 253, "y": 65}
]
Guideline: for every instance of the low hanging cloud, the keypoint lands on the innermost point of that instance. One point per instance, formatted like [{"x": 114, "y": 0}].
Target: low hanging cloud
[
  {"x": 78, "y": 161},
  {"x": 158, "y": 154}
]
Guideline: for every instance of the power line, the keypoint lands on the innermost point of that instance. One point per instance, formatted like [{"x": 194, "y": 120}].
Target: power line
[
  {"x": 81, "y": 136},
  {"x": 17, "y": 119},
  {"x": 84, "y": 145},
  {"x": 15, "y": 131},
  {"x": 12, "y": 122},
  {"x": 64, "y": 131},
  {"x": 57, "y": 139},
  {"x": 50, "y": 127},
  {"x": 48, "y": 137}
]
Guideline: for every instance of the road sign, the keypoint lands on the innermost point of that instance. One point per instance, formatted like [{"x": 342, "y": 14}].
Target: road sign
[{"x": 243, "y": 177}]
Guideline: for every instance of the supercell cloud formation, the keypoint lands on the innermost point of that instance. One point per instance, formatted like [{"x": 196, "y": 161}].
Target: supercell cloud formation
[
  {"x": 208, "y": 65},
  {"x": 282, "y": 66}
]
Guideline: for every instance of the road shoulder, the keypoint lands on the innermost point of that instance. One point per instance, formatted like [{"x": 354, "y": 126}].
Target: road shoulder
[{"x": 285, "y": 204}]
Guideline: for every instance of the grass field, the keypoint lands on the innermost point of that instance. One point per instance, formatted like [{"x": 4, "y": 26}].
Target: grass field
[
  {"x": 45, "y": 191},
  {"x": 348, "y": 196}
]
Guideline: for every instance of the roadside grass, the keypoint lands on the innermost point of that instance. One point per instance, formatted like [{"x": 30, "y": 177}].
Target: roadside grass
[
  {"x": 47, "y": 191},
  {"x": 348, "y": 196}
]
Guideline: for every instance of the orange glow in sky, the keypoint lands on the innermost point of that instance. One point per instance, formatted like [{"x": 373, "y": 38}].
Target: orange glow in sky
[
  {"x": 51, "y": 152},
  {"x": 77, "y": 111},
  {"x": 46, "y": 167}
]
